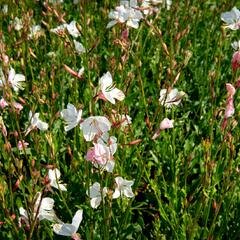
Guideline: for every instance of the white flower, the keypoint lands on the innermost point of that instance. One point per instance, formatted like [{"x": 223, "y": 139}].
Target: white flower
[
  {"x": 94, "y": 126},
  {"x": 71, "y": 116},
  {"x": 236, "y": 45},
  {"x": 36, "y": 123},
  {"x": 54, "y": 176},
  {"x": 149, "y": 6},
  {"x": 16, "y": 80},
  {"x": 173, "y": 97},
  {"x": 232, "y": 19},
  {"x": 17, "y": 23},
  {"x": 123, "y": 188},
  {"x": 35, "y": 31},
  {"x": 79, "y": 47},
  {"x": 2, "y": 78},
  {"x": 96, "y": 195},
  {"x": 71, "y": 28},
  {"x": 110, "y": 142},
  {"x": 67, "y": 229},
  {"x": 126, "y": 12},
  {"x": 43, "y": 207},
  {"x": 108, "y": 91},
  {"x": 5, "y": 9},
  {"x": 59, "y": 29}
]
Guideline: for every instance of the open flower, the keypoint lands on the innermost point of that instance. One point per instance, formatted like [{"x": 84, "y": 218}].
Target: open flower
[
  {"x": 79, "y": 47},
  {"x": 22, "y": 145},
  {"x": 124, "y": 187},
  {"x": 67, "y": 229},
  {"x": 16, "y": 80},
  {"x": 35, "y": 31},
  {"x": 232, "y": 19},
  {"x": 71, "y": 28},
  {"x": 94, "y": 126},
  {"x": 170, "y": 98},
  {"x": 17, "y": 24},
  {"x": 36, "y": 123},
  {"x": 71, "y": 116},
  {"x": 236, "y": 45},
  {"x": 43, "y": 207},
  {"x": 126, "y": 12},
  {"x": 101, "y": 155},
  {"x": 54, "y": 176},
  {"x": 108, "y": 91},
  {"x": 96, "y": 194}
]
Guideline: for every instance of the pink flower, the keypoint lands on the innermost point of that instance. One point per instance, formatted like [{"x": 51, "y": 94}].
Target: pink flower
[
  {"x": 18, "y": 106},
  {"x": 101, "y": 153},
  {"x": 90, "y": 155},
  {"x": 230, "y": 89},
  {"x": 229, "y": 111},
  {"x": 3, "y": 103},
  {"x": 236, "y": 61},
  {"x": 165, "y": 124},
  {"x": 22, "y": 144}
]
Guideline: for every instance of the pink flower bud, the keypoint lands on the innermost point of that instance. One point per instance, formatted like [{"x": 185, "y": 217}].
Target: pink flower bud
[
  {"x": 90, "y": 155},
  {"x": 236, "y": 61},
  {"x": 166, "y": 123},
  {"x": 3, "y": 103},
  {"x": 231, "y": 89}
]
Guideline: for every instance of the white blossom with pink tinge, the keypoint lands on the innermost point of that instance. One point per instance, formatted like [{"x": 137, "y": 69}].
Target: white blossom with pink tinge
[{"x": 101, "y": 155}]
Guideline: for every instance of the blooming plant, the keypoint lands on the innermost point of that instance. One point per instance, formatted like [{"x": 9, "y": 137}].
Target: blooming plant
[
  {"x": 170, "y": 98},
  {"x": 99, "y": 141},
  {"x": 96, "y": 194},
  {"x": 232, "y": 19},
  {"x": 36, "y": 123},
  {"x": 71, "y": 116},
  {"x": 54, "y": 176},
  {"x": 67, "y": 229},
  {"x": 108, "y": 91}
]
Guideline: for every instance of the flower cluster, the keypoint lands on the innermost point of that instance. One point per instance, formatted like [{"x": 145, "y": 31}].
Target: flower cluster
[{"x": 232, "y": 21}]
